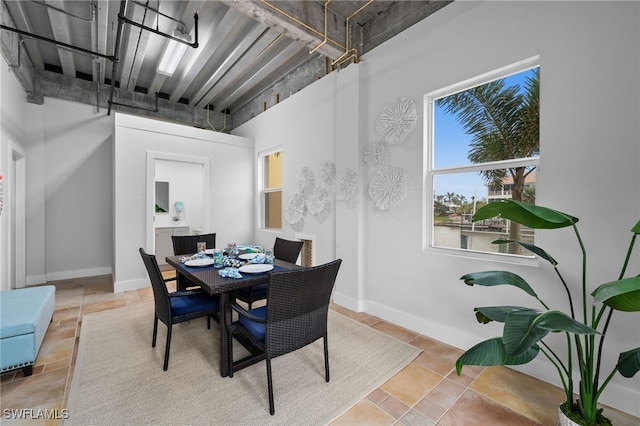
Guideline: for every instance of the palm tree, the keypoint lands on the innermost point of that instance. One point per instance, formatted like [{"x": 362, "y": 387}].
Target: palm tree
[{"x": 504, "y": 124}]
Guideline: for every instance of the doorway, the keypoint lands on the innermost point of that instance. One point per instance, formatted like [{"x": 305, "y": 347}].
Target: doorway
[{"x": 188, "y": 184}]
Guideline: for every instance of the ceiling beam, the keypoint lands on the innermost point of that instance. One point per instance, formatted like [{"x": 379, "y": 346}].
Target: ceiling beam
[
  {"x": 303, "y": 21},
  {"x": 62, "y": 32}
]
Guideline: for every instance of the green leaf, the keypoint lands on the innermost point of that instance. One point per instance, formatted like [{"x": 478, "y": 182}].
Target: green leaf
[
  {"x": 492, "y": 352},
  {"x": 535, "y": 217},
  {"x": 525, "y": 327},
  {"x": 493, "y": 278},
  {"x": 532, "y": 248},
  {"x": 487, "y": 314},
  {"x": 621, "y": 295},
  {"x": 636, "y": 228},
  {"x": 629, "y": 363}
]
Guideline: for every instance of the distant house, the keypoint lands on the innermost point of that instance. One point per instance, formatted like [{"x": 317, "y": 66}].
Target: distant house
[{"x": 504, "y": 191}]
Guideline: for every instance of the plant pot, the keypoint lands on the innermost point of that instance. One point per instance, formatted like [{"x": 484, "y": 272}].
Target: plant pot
[{"x": 563, "y": 420}]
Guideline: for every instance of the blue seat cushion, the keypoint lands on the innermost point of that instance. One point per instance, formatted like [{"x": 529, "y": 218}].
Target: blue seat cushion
[
  {"x": 255, "y": 328},
  {"x": 192, "y": 303}
]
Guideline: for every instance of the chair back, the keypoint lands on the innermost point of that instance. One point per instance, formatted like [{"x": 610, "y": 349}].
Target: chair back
[
  {"x": 188, "y": 244},
  {"x": 287, "y": 250},
  {"x": 297, "y": 307},
  {"x": 160, "y": 292}
]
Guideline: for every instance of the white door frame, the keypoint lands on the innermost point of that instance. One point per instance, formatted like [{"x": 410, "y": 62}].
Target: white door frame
[{"x": 151, "y": 166}]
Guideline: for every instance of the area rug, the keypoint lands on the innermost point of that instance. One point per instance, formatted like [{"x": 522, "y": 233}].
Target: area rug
[{"x": 118, "y": 377}]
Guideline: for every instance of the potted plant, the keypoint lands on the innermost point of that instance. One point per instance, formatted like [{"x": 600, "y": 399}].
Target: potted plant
[{"x": 585, "y": 325}]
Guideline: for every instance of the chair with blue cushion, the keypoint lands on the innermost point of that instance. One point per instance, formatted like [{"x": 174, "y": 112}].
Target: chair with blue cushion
[
  {"x": 286, "y": 250},
  {"x": 295, "y": 315},
  {"x": 177, "y": 307},
  {"x": 188, "y": 244}
]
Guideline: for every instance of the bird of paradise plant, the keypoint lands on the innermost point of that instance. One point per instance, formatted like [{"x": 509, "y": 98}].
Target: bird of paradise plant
[{"x": 524, "y": 328}]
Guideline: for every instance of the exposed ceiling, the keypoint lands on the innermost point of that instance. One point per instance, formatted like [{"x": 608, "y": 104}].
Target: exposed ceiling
[{"x": 244, "y": 48}]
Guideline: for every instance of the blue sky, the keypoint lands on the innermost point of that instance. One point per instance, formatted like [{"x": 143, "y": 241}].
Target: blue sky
[{"x": 452, "y": 146}]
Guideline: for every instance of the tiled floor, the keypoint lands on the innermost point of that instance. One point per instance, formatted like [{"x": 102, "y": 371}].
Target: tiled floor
[{"x": 426, "y": 392}]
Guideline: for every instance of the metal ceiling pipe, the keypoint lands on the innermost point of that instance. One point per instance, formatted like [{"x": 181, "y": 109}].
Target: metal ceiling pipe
[
  {"x": 146, "y": 6},
  {"x": 57, "y": 43},
  {"x": 116, "y": 53},
  {"x": 349, "y": 52},
  {"x": 122, "y": 18},
  {"x": 134, "y": 106},
  {"x": 326, "y": 10}
]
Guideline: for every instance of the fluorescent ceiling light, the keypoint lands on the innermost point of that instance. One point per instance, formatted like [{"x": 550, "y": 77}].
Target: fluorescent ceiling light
[{"x": 173, "y": 54}]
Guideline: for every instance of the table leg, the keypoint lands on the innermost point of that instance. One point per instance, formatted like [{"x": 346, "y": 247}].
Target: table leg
[
  {"x": 181, "y": 282},
  {"x": 225, "y": 340}
]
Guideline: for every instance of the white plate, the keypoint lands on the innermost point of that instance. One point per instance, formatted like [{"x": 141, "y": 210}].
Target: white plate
[
  {"x": 248, "y": 256},
  {"x": 199, "y": 262},
  {"x": 256, "y": 269}
]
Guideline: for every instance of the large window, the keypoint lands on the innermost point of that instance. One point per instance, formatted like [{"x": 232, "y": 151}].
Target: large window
[
  {"x": 482, "y": 145},
  {"x": 272, "y": 190}
]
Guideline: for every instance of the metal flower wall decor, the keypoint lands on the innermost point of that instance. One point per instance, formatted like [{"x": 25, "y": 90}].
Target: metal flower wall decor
[
  {"x": 347, "y": 184},
  {"x": 296, "y": 209},
  {"x": 328, "y": 173},
  {"x": 397, "y": 120},
  {"x": 318, "y": 201},
  {"x": 374, "y": 152},
  {"x": 389, "y": 186},
  {"x": 310, "y": 198},
  {"x": 306, "y": 180}
]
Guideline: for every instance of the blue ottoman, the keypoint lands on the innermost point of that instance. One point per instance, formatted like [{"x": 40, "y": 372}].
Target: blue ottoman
[{"x": 25, "y": 315}]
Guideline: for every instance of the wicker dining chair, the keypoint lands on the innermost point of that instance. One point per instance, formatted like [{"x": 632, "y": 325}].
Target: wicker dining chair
[
  {"x": 177, "y": 307},
  {"x": 188, "y": 244},
  {"x": 295, "y": 315},
  {"x": 286, "y": 250}
]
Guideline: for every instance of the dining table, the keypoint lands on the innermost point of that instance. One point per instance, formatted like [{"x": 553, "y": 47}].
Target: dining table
[{"x": 209, "y": 279}]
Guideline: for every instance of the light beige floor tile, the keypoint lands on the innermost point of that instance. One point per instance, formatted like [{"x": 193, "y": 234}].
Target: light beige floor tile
[
  {"x": 364, "y": 412},
  {"x": 530, "y": 397},
  {"x": 411, "y": 384}
]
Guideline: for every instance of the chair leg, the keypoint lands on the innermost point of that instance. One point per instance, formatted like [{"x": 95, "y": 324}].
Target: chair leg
[
  {"x": 326, "y": 358},
  {"x": 155, "y": 331},
  {"x": 230, "y": 329},
  {"x": 272, "y": 408},
  {"x": 166, "y": 351}
]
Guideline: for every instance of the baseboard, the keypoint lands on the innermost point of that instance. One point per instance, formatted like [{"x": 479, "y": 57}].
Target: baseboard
[
  {"x": 615, "y": 395},
  {"x": 450, "y": 335},
  {"x": 36, "y": 279},
  {"x": 121, "y": 286},
  {"x": 66, "y": 275},
  {"x": 346, "y": 301},
  {"x": 80, "y": 273}
]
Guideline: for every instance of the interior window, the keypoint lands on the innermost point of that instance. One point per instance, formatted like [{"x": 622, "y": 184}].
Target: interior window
[
  {"x": 272, "y": 190},
  {"x": 483, "y": 146}
]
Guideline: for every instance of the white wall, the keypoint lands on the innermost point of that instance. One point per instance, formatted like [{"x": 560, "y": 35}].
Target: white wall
[
  {"x": 12, "y": 123},
  {"x": 590, "y": 150},
  {"x": 231, "y": 180},
  {"x": 69, "y": 186},
  {"x": 306, "y": 133}
]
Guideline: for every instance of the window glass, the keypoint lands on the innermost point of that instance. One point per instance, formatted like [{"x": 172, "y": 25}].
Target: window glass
[
  {"x": 483, "y": 147},
  {"x": 272, "y": 190}
]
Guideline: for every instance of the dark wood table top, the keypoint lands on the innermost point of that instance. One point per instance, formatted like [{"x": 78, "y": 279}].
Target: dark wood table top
[{"x": 211, "y": 282}]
